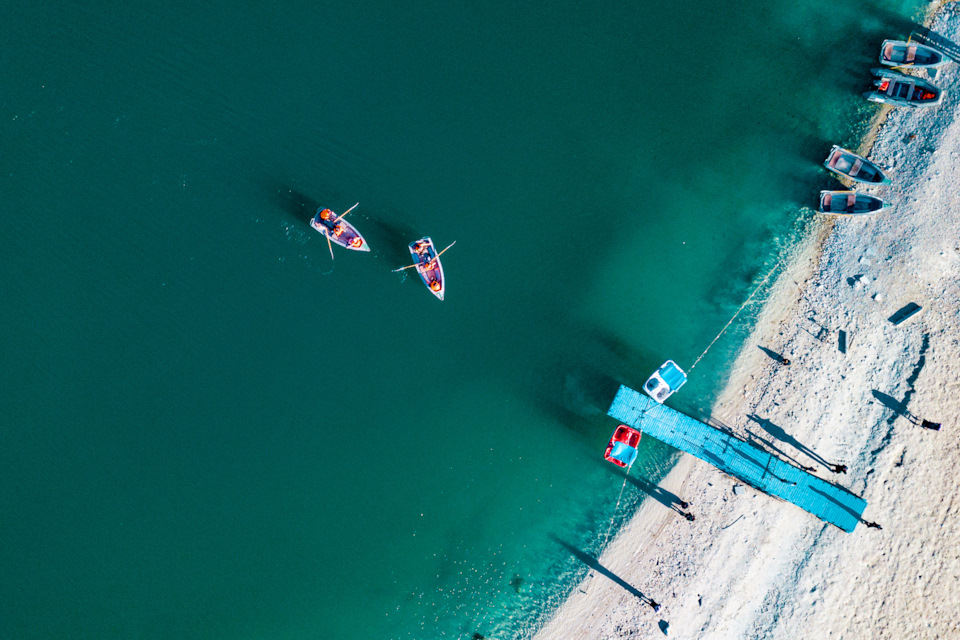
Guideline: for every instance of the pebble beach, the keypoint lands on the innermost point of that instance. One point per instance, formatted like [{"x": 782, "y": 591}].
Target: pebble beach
[{"x": 862, "y": 390}]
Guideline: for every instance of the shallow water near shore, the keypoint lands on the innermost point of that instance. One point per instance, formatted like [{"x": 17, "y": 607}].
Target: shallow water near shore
[{"x": 212, "y": 430}]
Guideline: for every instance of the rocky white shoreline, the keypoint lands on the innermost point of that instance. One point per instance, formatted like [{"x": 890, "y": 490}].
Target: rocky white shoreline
[{"x": 751, "y": 566}]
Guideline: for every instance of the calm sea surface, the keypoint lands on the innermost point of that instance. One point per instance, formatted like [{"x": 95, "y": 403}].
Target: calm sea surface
[{"x": 210, "y": 430}]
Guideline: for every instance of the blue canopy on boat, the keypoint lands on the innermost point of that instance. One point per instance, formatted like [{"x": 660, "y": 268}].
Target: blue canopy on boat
[
  {"x": 624, "y": 453},
  {"x": 672, "y": 375}
]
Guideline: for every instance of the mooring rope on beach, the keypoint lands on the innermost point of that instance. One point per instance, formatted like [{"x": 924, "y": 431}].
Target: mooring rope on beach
[{"x": 762, "y": 282}]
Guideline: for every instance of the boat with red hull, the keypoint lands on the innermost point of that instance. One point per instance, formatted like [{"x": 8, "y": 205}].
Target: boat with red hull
[
  {"x": 622, "y": 449},
  {"x": 338, "y": 230},
  {"x": 428, "y": 265}
]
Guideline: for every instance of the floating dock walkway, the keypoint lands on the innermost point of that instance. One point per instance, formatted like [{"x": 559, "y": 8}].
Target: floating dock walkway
[{"x": 740, "y": 459}]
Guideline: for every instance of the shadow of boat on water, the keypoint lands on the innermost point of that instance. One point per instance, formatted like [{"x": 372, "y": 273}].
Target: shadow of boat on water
[
  {"x": 296, "y": 205},
  {"x": 389, "y": 238}
]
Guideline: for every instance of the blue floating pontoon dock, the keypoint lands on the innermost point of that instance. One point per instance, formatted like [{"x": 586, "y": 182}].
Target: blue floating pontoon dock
[{"x": 739, "y": 458}]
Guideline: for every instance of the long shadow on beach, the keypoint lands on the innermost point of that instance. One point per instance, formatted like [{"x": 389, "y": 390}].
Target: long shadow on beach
[
  {"x": 767, "y": 445},
  {"x": 668, "y": 499},
  {"x": 594, "y": 564},
  {"x": 773, "y": 354},
  {"x": 779, "y": 434},
  {"x": 899, "y": 408}
]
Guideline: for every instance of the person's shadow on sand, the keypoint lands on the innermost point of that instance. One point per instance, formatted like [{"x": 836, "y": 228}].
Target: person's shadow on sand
[
  {"x": 594, "y": 564},
  {"x": 784, "y": 437},
  {"x": 666, "y": 498},
  {"x": 899, "y": 408},
  {"x": 778, "y": 357}
]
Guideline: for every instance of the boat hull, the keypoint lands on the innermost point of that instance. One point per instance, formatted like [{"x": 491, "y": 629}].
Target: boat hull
[
  {"x": 900, "y": 53},
  {"x": 850, "y": 203},
  {"x": 850, "y": 165},
  {"x": 901, "y": 90},
  {"x": 338, "y": 230},
  {"x": 429, "y": 269}
]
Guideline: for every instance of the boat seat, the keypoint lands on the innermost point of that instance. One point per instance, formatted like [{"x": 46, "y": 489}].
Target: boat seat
[
  {"x": 851, "y": 201},
  {"x": 855, "y": 169},
  {"x": 827, "y": 199},
  {"x": 888, "y": 52},
  {"x": 835, "y": 159},
  {"x": 911, "y": 53}
]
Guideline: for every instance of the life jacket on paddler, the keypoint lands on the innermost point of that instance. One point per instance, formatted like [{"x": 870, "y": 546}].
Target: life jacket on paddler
[
  {"x": 337, "y": 230},
  {"x": 421, "y": 247},
  {"x": 325, "y": 214},
  {"x": 435, "y": 285},
  {"x": 356, "y": 242}
]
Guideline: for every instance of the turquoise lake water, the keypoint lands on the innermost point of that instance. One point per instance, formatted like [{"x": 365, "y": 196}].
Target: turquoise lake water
[{"x": 210, "y": 430}]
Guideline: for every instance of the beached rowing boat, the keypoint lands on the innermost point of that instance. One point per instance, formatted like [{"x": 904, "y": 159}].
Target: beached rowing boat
[
  {"x": 900, "y": 53},
  {"x": 901, "y": 90},
  {"x": 850, "y": 203},
  {"x": 428, "y": 265},
  {"x": 847, "y": 163},
  {"x": 338, "y": 230}
]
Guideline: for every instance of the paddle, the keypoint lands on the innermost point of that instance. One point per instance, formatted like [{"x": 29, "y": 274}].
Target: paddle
[
  {"x": 341, "y": 216},
  {"x": 326, "y": 234},
  {"x": 329, "y": 244},
  {"x": 431, "y": 260}
]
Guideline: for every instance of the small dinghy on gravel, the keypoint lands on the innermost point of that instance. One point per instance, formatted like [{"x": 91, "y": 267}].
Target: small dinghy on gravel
[
  {"x": 847, "y": 163},
  {"x": 901, "y": 90},
  {"x": 850, "y": 203},
  {"x": 900, "y": 53}
]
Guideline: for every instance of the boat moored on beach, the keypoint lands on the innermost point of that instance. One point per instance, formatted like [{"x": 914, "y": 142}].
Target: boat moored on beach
[
  {"x": 338, "y": 230},
  {"x": 622, "y": 448},
  {"x": 428, "y": 265},
  {"x": 850, "y": 203},
  {"x": 900, "y": 53},
  {"x": 900, "y": 90},
  {"x": 847, "y": 163},
  {"x": 665, "y": 381}
]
